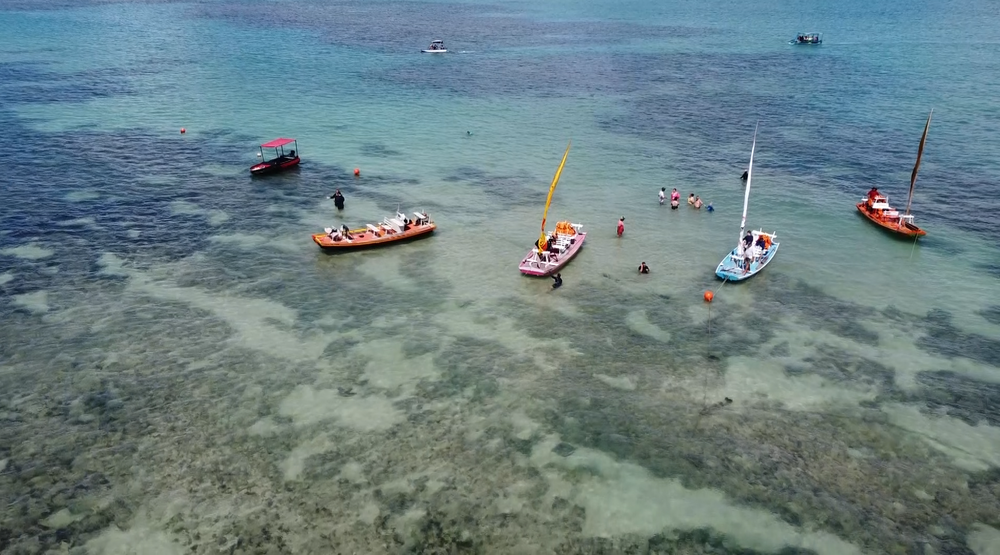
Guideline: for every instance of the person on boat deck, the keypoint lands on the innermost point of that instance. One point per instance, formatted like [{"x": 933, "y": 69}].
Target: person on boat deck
[
  {"x": 872, "y": 194},
  {"x": 745, "y": 174},
  {"x": 643, "y": 269},
  {"x": 336, "y": 235},
  {"x": 558, "y": 281},
  {"x": 747, "y": 261},
  {"x": 697, "y": 202},
  {"x": 691, "y": 199},
  {"x": 747, "y": 240},
  {"x": 621, "y": 226},
  {"x": 346, "y": 231},
  {"x": 663, "y": 194},
  {"x": 291, "y": 154},
  {"x": 761, "y": 243}
]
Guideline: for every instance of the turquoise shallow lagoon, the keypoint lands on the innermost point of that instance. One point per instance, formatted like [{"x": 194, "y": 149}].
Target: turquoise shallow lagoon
[{"x": 183, "y": 371}]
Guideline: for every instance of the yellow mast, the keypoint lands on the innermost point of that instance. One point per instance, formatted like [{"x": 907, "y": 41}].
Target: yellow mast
[{"x": 548, "y": 201}]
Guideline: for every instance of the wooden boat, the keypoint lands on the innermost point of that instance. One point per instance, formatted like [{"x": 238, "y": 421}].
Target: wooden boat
[
  {"x": 282, "y": 160},
  {"x": 436, "y": 47},
  {"x": 753, "y": 251},
  {"x": 807, "y": 38},
  {"x": 875, "y": 206},
  {"x": 554, "y": 250},
  {"x": 388, "y": 231}
]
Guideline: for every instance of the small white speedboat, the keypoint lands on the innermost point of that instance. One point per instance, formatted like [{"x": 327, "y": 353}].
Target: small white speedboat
[{"x": 436, "y": 47}]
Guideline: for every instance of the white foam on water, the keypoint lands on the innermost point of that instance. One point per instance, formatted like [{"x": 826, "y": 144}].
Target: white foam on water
[
  {"x": 307, "y": 406},
  {"x": 623, "y": 498},
  {"x": 30, "y": 251},
  {"x": 638, "y": 322},
  {"x": 6, "y": 277},
  {"x": 983, "y": 540},
  {"x": 250, "y": 318},
  {"x": 77, "y": 196},
  {"x": 973, "y": 448},
  {"x": 137, "y": 540},
  {"x": 214, "y": 217},
  {"x": 133, "y": 233},
  {"x": 79, "y": 222},
  {"x": 36, "y": 303}
]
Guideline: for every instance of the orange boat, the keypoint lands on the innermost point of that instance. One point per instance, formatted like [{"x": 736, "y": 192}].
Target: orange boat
[
  {"x": 388, "y": 231},
  {"x": 876, "y": 207}
]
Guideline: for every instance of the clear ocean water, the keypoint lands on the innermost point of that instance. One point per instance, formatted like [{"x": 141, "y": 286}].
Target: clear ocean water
[{"x": 183, "y": 371}]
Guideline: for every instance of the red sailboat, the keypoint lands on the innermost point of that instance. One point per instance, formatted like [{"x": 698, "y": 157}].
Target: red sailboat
[{"x": 876, "y": 206}]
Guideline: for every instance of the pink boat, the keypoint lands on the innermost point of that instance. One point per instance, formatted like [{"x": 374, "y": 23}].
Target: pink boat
[{"x": 562, "y": 246}]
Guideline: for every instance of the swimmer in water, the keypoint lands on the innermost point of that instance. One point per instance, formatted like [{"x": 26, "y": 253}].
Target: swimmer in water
[
  {"x": 643, "y": 269},
  {"x": 558, "y": 281},
  {"x": 663, "y": 194}
]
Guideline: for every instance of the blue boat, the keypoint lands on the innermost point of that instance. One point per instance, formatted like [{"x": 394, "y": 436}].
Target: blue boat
[{"x": 755, "y": 249}]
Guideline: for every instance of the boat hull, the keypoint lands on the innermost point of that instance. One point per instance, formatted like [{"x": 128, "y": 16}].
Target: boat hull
[
  {"x": 731, "y": 268},
  {"x": 434, "y": 51},
  {"x": 531, "y": 265},
  {"x": 892, "y": 225},
  {"x": 273, "y": 166},
  {"x": 363, "y": 238}
]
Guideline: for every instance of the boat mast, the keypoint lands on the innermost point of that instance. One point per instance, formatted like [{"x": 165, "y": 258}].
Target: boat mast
[
  {"x": 746, "y": 195},
  {"x": 552, "y": 189},
  {"x": 916, "y": 166}
]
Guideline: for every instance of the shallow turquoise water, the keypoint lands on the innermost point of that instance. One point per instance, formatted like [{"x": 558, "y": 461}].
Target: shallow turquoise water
[{"x": 181, "y": 369}]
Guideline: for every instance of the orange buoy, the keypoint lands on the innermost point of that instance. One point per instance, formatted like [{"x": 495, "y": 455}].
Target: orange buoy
[
  {"x": 357, "y": 172},
  {"x": 709, "y": 296},
  {"x": 183, "y": 131}
]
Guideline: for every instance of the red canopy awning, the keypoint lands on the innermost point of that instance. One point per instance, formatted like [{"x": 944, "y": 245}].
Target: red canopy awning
[{"x": 277, "y": 142}]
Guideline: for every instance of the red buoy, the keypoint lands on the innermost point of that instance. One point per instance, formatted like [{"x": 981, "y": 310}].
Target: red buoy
[
  {"x": 183, "y": 131},
  {"x": 357, "y": 172},
  {"x": 709, "y": 296}
]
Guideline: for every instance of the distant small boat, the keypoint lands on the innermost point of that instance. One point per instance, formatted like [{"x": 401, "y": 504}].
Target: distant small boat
[
  {"x": 807, "y": 38},
  {"x": 436, "y": 47},
  {"x": 875, "y": 206},
  {"x": 389, "y": 230},
  {"x": 755, "y": 249},
  {"x": 281, "y": 160},
  {"x": 553, "y": 250}
]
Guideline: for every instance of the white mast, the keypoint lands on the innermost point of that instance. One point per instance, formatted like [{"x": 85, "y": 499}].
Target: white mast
[{"x": 746, "y": 195}]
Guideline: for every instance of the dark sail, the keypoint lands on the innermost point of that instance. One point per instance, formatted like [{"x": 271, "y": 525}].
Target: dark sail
[{"x": 916, "y": 167}]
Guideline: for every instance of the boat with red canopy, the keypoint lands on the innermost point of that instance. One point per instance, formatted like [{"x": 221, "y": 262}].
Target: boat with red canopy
[{"x": 282, "y": 159}]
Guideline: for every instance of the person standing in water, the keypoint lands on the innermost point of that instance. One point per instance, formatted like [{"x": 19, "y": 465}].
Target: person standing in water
[
  {"x": 558, "y": 281},
  {"x": 338, "y": 200},
  {"x": 621, "y": 226},
  {"x": 746, "y": 173},
  {"x": 663, "y": 195},
  {"x": 691, "y": 199},
  {"x": 643, "y": 269},
  {"x": 697, "y": 202}
]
